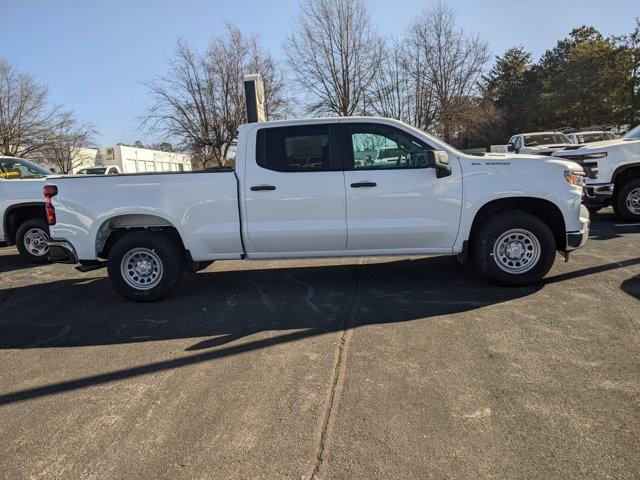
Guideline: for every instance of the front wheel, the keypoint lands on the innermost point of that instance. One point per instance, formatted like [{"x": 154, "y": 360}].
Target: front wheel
[
  {"x": 627, "y": 201},
  {"x": 514, "y": 249},
  {"x": 145, "y": 266}
]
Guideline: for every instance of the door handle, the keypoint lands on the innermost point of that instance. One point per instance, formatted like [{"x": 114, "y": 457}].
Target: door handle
[
  {"x": 258, "y": 188},
  {"x": 363, "y": 184}
]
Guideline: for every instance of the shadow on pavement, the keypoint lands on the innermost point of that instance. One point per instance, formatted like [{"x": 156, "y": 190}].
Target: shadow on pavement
[
  {"x": 10, "y": 263},
  {"x": 632, "y": 286},
  {"x": 603, "y": 226},
  {"x": 216, "y": 308}
]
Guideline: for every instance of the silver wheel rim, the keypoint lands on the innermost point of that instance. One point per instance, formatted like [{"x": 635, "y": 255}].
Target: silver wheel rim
[
  {"x": 35, "y": 242},
  {"x": 633, "y": 201},
  {"x": 517, "y": 251},
  {"x": 141, "y": 268}
]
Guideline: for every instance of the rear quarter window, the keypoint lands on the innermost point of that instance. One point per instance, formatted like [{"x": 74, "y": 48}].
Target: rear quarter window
[{"x": 307, "y": 148}]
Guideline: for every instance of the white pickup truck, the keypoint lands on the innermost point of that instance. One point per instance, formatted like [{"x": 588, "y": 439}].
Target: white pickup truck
[
  {"x": 22, "y": 213},
  {"x": 298, "y": 192},
  {"x": 612, "y": 170},
  {"x": 534, "y": 143}
]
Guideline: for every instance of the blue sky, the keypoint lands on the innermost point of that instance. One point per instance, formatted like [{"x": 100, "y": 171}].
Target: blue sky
[{"x": 94, "y": 54}]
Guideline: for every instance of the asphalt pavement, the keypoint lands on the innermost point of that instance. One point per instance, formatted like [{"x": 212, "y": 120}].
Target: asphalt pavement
[{"x": 371, "y": 368}]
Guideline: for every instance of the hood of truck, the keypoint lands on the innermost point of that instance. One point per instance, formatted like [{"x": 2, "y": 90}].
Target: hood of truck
[
  {"x": 600, "y": 146},
  {"x": 507, "y": 160}
]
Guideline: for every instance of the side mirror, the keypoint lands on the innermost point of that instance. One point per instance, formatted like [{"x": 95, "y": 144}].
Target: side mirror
[
  {"x": 440, "y": 161},
  {"x": 511, "y": 147}
]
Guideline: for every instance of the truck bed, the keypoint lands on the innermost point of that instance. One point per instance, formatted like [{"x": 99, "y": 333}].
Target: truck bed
[{"x": 202, "y": 206}]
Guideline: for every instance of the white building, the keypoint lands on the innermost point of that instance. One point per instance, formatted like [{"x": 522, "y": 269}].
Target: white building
[{"x": 139, "y": 160}]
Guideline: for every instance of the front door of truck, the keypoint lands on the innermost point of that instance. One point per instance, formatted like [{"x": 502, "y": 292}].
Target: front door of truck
[
  {"x": 394, "y": 200},
  {"x": 294, "y": 192}
]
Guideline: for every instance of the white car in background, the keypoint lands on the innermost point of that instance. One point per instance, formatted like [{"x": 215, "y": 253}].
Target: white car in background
[
  {"x": 100, "y": 170},
  {"x": 581, "y": 138},
  {"x": 22, "y": 209},
  {"x": 613, "y": 173},
  {"x": 534, "y": 143}
]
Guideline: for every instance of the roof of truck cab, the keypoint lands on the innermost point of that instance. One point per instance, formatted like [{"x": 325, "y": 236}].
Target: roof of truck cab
[{"x": 306, "y": 121}]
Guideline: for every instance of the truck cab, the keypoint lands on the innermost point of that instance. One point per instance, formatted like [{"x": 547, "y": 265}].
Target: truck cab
[{"x": 538, "y": 143}]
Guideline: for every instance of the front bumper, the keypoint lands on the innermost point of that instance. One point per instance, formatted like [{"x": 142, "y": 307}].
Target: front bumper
[
  {"x": 61, "y": 251},
  {"x": 577, "y": 238},
  {"x": 598, "y": 194}
]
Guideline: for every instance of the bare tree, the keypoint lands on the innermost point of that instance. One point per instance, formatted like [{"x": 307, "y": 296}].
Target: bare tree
[
  {"x": 335, "y": 53},
  {"x": 27, "y": 119},
  {"x": 67, "y": 149},
  {"x": 401, "y": 88},
  {"x": 200, "y": 103},
  {"x": 449, "y": 63}
]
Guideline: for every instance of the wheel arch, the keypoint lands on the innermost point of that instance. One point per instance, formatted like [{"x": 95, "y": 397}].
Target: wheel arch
[
  {"x": 547, "y": 211},
  {"x": 17, "y": 214},
  {"x": 625, "y": 172},
  {"x": 117, "y": 226}
]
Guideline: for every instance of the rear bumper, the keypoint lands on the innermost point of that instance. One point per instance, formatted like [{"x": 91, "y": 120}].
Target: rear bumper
[
  {"x": 598, "y": 194},
  {"x": 61, "y": 251}
]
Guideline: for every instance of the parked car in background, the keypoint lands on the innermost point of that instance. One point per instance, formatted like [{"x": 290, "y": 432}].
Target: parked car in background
[
  {"x": 613, "y": 173},
  {"x": 100, "y": 170},
  {"x": 22, "y": 209},
  {"x": 581, "y": 138},
  {"x": 296, "y": 192},
  {"x": 535, "y": 143}
]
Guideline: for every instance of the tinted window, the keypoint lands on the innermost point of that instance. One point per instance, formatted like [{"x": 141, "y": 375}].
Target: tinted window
[
  {"x": 295, "y": 149},
  {"x": 382, "y": 147}
]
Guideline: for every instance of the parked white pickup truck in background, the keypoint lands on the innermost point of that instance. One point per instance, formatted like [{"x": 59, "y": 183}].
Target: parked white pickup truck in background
[
  {"x": 22, "y": 208},
  {"x": 535, "y": 143},
  {"x": 298, "y": 191},
  {"x": 613, "y": 173},
  {"x": 100, "y": 170},
  {"x": 590, "y": 136}
]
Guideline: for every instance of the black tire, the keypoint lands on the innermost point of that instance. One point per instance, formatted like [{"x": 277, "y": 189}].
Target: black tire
[
  {"x": 25, "y": 237},
  {"x": 620, "y": 203},
  {"x": 163, "y": 250},
  {"x": 491, "y": 231}
]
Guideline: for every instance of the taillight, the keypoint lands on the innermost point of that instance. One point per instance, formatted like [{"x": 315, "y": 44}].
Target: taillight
[{"x": 50, "y": 191}]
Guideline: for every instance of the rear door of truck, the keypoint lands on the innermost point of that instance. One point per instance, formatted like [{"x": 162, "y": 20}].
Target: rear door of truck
[{"x": 294, "y": 191}]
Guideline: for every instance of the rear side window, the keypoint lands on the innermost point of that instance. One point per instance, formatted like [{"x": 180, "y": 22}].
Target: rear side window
[{"x": 295, "y": 149}]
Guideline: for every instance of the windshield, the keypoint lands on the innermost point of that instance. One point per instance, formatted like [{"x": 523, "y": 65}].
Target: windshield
[
  {"x": 19, "y": 168},
  {"x": 545, "y": 139},
  {"x": 93, "y": 171},
  {"x": 633, "y": 134},
  {"x": 593, "y": 137}
]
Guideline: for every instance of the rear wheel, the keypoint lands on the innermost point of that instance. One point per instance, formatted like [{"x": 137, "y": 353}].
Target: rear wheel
[
  {"x": 627, "y": 201},
  {"x": 514, "y": 249},
  {"x": 145, "y": 266},
  {"x": 31, "y": 240}
]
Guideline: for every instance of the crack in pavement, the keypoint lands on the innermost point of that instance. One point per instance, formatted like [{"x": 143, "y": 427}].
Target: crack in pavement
[{"x": 337, "y": 380}]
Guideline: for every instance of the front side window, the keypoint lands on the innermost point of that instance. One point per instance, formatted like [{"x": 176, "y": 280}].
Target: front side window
[
  {"x": 518, "y": 143},
  {"x": 295, "y": 149},
  {"x": 377, "y": 147},
  {"x": 18, "y": 168}
]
